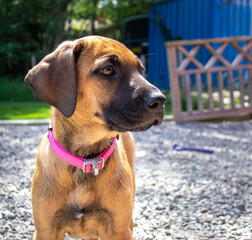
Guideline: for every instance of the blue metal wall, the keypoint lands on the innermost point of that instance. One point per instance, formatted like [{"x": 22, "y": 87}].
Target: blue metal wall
[{"x": 192, "y": 19}]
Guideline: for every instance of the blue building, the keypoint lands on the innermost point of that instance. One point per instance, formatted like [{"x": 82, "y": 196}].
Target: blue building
[{"x": 192, "y": 19}]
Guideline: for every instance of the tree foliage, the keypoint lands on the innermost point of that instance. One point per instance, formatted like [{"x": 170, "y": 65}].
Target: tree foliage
[
  {"x": 28, "y": 28},
  {"x": 32, "y": 28},
  {"x": 109, "y": 15}
]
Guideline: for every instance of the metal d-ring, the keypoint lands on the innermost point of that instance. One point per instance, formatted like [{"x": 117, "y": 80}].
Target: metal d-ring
[{"x": 94, "y": 162}]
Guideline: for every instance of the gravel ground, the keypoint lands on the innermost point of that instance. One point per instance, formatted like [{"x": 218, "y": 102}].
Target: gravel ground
[{"x": 179, "y": 195}]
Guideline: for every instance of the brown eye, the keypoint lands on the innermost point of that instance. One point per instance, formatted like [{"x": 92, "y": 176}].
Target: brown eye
[{"x": 109, "y": 70}]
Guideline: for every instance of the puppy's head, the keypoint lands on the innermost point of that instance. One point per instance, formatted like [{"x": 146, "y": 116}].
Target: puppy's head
[{"x": 99, "y": 81}]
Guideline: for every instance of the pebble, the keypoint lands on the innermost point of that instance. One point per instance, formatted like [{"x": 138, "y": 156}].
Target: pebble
[{"x": 179, "y": 195}]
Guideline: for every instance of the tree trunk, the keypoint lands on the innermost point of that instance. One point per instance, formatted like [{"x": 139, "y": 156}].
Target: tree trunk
[{"x": 94, "y": 16}]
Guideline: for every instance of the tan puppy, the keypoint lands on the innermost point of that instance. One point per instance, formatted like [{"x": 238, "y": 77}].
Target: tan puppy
[{"x": 97, "y": 92}]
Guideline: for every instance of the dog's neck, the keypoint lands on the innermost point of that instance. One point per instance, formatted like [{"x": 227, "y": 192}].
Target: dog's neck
[{"x": 74, "y": 139}]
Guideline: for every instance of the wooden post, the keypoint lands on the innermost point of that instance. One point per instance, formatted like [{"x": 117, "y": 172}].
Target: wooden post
[
  {"x": 220, "y": 85},
  {"x": 199, "y": 90},
  {"x": 241, "y": 85},
  {"x": 188, "y": 94},
  {"x": 174, "y": 83},
  {"x": 210, "y": 91},
  {"x": 231, "y": 88},
  {"x": 182, "y": 77}
]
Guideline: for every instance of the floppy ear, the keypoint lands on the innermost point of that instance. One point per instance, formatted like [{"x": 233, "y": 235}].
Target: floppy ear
[{"x": 54, "y": 79}]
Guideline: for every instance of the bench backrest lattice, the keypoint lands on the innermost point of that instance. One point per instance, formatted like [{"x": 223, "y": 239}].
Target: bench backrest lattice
[{"x": 210, "y": 78}]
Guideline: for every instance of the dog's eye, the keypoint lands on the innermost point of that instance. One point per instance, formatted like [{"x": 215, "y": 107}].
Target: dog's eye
[{"x": 108, "y": 70}]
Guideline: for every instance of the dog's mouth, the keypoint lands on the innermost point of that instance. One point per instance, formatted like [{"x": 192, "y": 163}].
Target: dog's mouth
[{"x": 120, "y": 127}]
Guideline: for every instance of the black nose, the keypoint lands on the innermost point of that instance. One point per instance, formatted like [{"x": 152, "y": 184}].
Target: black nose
[{"x": 155, "y": 100}]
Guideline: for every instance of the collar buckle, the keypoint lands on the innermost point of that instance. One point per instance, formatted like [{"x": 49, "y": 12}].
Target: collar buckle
[{"x": 94, "y": 162}]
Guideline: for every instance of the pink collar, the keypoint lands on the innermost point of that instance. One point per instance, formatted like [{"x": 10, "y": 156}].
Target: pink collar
[{"x": 87, "y": 165}]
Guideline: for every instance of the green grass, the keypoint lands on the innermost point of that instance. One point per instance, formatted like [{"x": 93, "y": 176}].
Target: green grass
[
  {"x": 30, "y": 110},
  {"x": 24, "y": 110},
  {"x": 17, "y": 100},
  {"x": 14, "y": 89}
]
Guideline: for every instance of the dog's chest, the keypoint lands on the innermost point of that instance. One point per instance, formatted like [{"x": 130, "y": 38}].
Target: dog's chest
[
  {"x": 90, "y": 208},
  {"x": 83, "y": 217}
]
